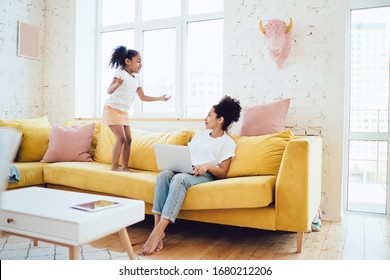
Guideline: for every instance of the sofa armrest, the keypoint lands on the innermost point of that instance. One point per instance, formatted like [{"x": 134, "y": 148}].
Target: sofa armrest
[{"x": 298, "y": 185}]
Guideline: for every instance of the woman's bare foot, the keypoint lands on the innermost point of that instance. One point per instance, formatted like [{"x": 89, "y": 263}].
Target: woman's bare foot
[
  {"x": 151, "y": 245},
  {"x": 115, "y": 168},
  {"x": 160, "y": 244},
  {"x": 125, "y": 170}
]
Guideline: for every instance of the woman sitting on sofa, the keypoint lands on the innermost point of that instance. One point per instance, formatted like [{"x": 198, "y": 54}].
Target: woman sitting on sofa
[{"x": 211, "y": 154}]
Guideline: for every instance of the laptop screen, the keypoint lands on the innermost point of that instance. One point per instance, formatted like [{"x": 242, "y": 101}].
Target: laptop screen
[{"x": 173, "y": 157}]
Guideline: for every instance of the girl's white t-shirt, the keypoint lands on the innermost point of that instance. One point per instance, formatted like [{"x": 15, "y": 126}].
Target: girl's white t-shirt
[
  {"x": 206, "y": 149},
  {"x": 122, "y": 98}
]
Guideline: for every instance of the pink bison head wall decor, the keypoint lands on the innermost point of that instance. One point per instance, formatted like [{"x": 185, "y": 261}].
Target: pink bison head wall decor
[{"x": 279, "y": 35}]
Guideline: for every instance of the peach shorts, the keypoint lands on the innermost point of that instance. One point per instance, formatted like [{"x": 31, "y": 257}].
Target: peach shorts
[{"x": 112, "y": 116}]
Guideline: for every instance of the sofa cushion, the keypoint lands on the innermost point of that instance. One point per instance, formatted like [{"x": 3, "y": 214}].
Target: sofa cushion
[
  {"x": 259, "y": 155},
  {"x": 248, "y": 192},
  {"x": 142, "y": 147},
  {"x": 31, "y": 174},
  {"x": 98, "y": 177},
  {"x": 264, "y": 119},
  {"x": 35, "y": 137},
  {"x": 95, "y": 135},
  {"x": 69, "y": 143}
]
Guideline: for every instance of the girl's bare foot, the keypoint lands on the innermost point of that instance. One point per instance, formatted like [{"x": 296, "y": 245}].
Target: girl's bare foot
[{"x": 115, "y": 168}]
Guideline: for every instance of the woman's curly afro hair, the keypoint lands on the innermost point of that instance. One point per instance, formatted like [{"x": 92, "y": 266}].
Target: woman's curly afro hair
[{"x": 228, "y": 108}]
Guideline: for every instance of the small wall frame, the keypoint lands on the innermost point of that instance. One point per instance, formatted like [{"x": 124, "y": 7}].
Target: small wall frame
[{"x": 28, "y": 40}]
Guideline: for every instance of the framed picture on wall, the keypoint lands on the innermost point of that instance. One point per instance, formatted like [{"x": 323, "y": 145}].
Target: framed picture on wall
[{"x": 28, "y": 40}]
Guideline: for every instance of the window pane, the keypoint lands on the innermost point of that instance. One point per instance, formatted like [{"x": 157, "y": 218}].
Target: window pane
[
  {"x": 110, "y": 40},
  {"x": 204, "y": 6},
  {"x": 157, "y": 9},
  {"x": 370, "y": 52},
  {"x": 205, "y": 56},
  {"x": 158, "y": 59},
  {"x": 117, "y": 12},
  {"x": 367, "y": 176}
]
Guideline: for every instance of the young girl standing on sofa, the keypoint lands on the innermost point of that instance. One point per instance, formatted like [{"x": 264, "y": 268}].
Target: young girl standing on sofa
[
  {"x": 211, "y": 154},
  {"x": 125, "y": 84}
]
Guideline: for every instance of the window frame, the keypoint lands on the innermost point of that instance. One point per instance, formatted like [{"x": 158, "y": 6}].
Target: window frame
[
  {"x": 139, "y": 26},
  {"x": 353, "y": 135}
]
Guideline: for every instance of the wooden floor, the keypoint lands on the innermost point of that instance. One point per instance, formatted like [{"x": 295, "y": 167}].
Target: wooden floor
[{"x": 356, "y": 238}]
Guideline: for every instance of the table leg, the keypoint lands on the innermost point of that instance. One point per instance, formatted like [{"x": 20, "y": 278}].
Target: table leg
[
  {"x": 126, "y": 242},
  {"x": 74, "y": 252}
]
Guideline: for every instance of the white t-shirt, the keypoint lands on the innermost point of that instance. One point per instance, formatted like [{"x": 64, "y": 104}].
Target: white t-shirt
[
  {"x": 206, "y": 149},
  {"x": 122, "y": 98}
]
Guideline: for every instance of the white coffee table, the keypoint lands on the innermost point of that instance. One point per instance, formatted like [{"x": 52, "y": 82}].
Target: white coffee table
[{"x": 46, "y": 214}]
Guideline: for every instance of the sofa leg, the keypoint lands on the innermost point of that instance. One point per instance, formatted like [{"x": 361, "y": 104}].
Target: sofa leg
[{"x": 299, "y": 241}]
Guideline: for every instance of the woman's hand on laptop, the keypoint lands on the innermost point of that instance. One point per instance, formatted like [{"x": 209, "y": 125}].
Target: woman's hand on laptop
[{"x": 201, "y": 169}]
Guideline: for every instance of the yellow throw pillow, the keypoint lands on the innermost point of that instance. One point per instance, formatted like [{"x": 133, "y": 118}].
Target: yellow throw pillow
[
  {"x": 106, "y": 140},
  {"x": 95, "y": 135},
  {"x": 142, "y": 147},
  {"x": 259, "y": 155},
  {"x": 35, "y": 137}
]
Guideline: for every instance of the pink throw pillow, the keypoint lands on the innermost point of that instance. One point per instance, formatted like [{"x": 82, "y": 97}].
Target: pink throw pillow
[
  {"x": 69, "y": 143},
  {"x": 265, "y": 119}
]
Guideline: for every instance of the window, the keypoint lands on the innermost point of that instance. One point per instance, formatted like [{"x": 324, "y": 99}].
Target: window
[
  {"x": 157, "y": 9},
  {"x": 181, "y": 45},
  {"x": 367, "y": 132},
  {"x": 204, "y": 61}
]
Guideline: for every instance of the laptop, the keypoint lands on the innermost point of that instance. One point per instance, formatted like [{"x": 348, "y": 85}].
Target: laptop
[{"x": 175, "y": 158}]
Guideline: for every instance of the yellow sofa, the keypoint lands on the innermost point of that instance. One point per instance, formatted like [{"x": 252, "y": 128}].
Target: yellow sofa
[{"x": 274, "y": 182}]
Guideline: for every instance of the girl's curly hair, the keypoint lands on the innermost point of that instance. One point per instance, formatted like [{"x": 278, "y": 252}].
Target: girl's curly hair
[{"x": 119, "y": 54}]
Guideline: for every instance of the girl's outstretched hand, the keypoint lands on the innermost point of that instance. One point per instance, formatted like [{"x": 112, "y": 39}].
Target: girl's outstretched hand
[{"x": 165, "y": 97}]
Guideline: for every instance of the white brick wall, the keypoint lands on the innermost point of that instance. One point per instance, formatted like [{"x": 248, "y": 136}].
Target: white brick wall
[
  {"x": 32, "y": 88},
  {"x": 20, "y": 77},
  {"x": 252, "y": 75},
  {"x": 58, "y": 66}
]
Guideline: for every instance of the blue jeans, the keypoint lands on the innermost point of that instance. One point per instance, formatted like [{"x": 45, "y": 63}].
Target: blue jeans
[{"x": 171, "y": 190}]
